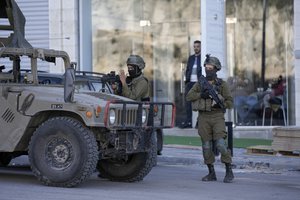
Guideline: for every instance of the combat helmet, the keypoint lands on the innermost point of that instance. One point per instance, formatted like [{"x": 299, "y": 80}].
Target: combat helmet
[
  {"x": 213, "y": 61},
  {"x": 136, "y": 60}
]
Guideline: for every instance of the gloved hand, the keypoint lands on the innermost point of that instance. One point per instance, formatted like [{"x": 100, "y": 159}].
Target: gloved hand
[
  {"x": 205, "y": 94},
  {"x": 215, "y": 105}
]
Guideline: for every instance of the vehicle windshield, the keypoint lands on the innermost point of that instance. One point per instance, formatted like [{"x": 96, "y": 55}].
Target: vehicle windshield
[
  {"x": 82, "y": 86},
  {"x": 98, "y": 86},
  {"x": 92, "y": 85}
]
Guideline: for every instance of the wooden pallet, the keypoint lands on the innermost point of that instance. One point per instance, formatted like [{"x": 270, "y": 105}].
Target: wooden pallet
[
  {"x": 268, "y": 150},
  {"x": 286, "y": 139}
]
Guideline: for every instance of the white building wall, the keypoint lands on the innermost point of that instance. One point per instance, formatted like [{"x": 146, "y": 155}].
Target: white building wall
[
  {"x": 63, "y": 26},
  {"x": 297, "y": 59},
  {"x": 213, "y": 36}
]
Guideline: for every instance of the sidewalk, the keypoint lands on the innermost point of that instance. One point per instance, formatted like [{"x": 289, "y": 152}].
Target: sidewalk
[
  {"x": 192, "y": 155},
  {"x": 189, "y": 155}
]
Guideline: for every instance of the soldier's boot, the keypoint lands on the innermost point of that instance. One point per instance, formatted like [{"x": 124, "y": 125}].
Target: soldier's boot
[
  {"x": 211, "y": 176},
  {"x": 229, "y": 174}
]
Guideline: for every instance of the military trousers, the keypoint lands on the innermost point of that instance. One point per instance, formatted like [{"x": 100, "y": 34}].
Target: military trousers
[{"x": 212, "y": 129}]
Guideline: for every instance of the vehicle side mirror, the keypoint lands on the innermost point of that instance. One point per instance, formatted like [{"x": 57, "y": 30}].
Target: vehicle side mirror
[{"x": 69, "y": 85}]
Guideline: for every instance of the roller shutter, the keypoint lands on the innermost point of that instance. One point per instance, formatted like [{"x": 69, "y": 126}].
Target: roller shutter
[{"x": 36, "y": 13}]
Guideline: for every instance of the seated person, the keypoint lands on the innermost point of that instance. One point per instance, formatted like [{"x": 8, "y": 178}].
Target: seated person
[
  {"x": 241, "y": 88},
  {"x": 278, "y": 87},
  {"x": 274, "y": 101}
]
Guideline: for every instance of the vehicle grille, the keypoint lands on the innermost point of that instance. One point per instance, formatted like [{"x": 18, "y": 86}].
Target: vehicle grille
[
  {"x": 130, "y": 117},
  {"x": 8, "y": 116}
]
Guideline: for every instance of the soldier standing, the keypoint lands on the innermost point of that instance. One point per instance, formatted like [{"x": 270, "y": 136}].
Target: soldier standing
[{"x": 211, "y": 121}]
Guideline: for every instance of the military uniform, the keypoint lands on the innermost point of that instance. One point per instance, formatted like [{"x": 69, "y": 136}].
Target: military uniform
[
  {"x": 135, "y": 86},
  {"x": 211, "y": 121},
  {"x": 137, "y": 89}
]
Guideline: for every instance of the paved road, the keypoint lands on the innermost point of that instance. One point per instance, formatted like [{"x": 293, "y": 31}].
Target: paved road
[
  {"x": 165, "y": 182},
  {"x": 168, "y": 180}
]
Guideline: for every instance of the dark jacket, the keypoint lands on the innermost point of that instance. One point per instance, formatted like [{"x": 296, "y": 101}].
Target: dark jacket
[{"x": 189, "y": 67}]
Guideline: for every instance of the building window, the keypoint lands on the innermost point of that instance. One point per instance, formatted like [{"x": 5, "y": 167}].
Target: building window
[{"x": 257, "y": 103}]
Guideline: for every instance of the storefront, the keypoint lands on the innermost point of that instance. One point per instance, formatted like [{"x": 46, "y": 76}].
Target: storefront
[{"x": 262, "y": 97}]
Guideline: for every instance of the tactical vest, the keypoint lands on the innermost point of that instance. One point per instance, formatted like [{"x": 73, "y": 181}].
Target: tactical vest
[{"x": 205, "y": 105}]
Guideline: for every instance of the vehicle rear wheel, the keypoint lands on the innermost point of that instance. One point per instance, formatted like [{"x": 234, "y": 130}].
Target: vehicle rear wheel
[
  {"x": 134, "y": 168},
  {"x": 160, "y": 141},
  {"x": 62, "y": 152},
  {"x": 5, "y": 159}
]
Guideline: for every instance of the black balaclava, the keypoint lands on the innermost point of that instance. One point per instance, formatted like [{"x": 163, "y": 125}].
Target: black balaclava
[
  {"x": 211, "y": 74},
  {"x": 135, "y": 72}
]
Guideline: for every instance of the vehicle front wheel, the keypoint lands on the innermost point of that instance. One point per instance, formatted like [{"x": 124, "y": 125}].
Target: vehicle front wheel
[
  {"x": 62, "y": 152},
  {"x": 132, "y": 169}
]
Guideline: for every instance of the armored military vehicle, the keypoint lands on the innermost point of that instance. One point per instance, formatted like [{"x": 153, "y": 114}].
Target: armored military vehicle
[
  {"x": 67, "y": 133},
  {"x": 90, "y": 81}
]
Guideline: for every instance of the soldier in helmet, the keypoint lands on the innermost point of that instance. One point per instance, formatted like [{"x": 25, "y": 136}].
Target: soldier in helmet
[
  {"x": 135, "y": 86},
  {"x": 211, "y": 121}
]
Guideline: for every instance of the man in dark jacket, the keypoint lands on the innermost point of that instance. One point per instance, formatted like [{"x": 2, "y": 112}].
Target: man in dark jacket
[{"x": 192, "y": 74}]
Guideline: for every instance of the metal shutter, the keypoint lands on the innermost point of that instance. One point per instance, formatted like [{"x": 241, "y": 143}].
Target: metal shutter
[{"x": 36, "y": 13}]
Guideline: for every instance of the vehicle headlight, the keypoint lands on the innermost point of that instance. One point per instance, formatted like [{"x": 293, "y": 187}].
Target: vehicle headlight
[
  {"x": 112, "y": 116},
  {"x": 144, "y": 116}
]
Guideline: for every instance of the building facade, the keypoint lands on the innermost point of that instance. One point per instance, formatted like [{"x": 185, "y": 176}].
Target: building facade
[{"x": 100, "y": 35}]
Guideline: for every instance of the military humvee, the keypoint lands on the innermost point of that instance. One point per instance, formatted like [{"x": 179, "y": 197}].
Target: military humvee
[
  {"x": 66, "y": 133},
  {"x": 89, "y": 81}
]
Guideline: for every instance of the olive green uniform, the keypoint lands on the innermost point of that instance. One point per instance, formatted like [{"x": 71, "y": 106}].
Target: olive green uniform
[
  {"x": 138, "y": 89},
  {"x": 211, "y": 121}
]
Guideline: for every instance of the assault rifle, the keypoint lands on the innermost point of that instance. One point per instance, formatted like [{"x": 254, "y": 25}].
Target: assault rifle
[
  {"x": 205, "y": 85},
  {"x": 113, "y": 78}
]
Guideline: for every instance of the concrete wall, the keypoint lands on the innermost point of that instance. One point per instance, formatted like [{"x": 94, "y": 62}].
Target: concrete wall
[
  {"x": 63, "y": 17},
  {"x": 297, "y": 60}
]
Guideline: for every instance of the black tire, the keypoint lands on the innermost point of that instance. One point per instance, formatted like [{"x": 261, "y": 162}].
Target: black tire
[
  {"x": 5, "y": 159},
  {"x": 62, "y": 152},
  {"x": 160, "y": 141},
  {"x": 135, "y": 168}
]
